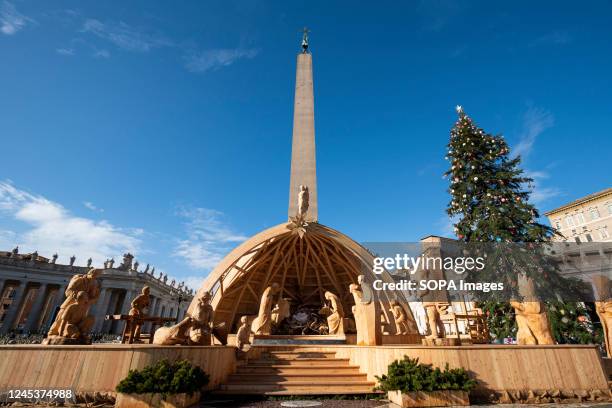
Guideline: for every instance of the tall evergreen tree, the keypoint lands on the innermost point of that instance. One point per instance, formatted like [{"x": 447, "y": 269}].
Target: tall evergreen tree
[
  {"x": 490, "y": 202},
  {"x": 487, "y": 189}
]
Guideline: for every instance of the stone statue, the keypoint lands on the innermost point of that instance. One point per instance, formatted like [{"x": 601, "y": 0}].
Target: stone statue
[
  {"x": 531, "y": 317},
  {"x": 194, "y": 329},
  {"x": 87, "y": 283},
  {"x": 335, "y": 321},
  {"x": 303, "y": 201},
  {"x": 136, "y": 265},
  {"x": 111, "y": 263},
  {"x": 140, "y": 304},
  {"x": 172, "y": 282},
  {"x": 243, "y": 335},
  {"x": 74, "y": 323},
  {"x": 165, "y": 278},
  {"x": 34, "y": 257},
  {"x": 126, "y": 265},
  {"x": 153, "y": 271},
  {"x": 435, "y": 327},
  {"x": 263, "y": 322},
  {"x": 15, "y": 252},
  {"x": 89, "y": 261},
  {"x": 367, "y": 314},
  {"x": 281, "y": 311},
  {"x": 54, "y": 259},
  {"x": 403, "y": 324},
  {"x": 72, "y": 259},
  {"x": 146, "y": 270}
]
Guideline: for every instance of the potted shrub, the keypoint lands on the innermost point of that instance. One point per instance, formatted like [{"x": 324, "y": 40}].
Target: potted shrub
[
  {"x": 411, "y": 384},
  {"x": 162, "y": 385}
]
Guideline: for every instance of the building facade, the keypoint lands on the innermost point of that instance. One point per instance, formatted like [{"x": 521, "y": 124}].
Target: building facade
[
  {"x": 587, "y": 219},
  {"x": 32, "y": 289}
]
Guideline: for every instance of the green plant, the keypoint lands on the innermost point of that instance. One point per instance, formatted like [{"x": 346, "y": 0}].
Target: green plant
[
  {"x": 164, "y": 378},
  {"x": 409, "y": 375}
]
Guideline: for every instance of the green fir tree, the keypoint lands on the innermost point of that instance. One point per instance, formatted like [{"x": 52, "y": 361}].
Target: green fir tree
[{"x": 490, "y": 201}]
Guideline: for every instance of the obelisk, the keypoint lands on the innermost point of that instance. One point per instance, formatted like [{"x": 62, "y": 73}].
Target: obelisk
[{"x": 303, "y": 156}]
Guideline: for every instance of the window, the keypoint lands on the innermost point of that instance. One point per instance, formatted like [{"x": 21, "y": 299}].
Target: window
[
  {"x": 558, "y": 224},
  {"x": 594, "y": 213},
  {"x": 604, "y": 233},
  {"x": 589, "y": 238},
  {"x": 577, "y": 240},
  {"x": 584, "y": 229},
  {"x": 579, "y": 218},
  {"x": 573, "y": 231},
  {"x": 569, "y": 221}
]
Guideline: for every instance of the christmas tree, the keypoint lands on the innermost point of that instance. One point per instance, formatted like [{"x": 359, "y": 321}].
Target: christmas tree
[{"x": 490, "y": 200}]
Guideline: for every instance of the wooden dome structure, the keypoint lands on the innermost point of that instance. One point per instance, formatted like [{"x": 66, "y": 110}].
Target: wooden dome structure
[{"x": 304, "y": 264}]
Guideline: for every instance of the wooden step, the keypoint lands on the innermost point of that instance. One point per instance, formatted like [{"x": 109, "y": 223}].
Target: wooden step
[
  {"x": 243, "y": 378},
  {"x": 301, "y": 387},
  {"x": 291, "y": 355},
  {"x": 300, "y": 362},
  {"x": 292, "y": 369}
]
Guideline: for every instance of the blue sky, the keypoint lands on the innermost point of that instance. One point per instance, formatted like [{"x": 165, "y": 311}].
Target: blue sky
[{"x": 165, "y": 128}]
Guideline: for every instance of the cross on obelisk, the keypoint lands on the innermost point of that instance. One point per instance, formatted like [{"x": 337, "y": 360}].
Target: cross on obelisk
[{"x": 303, "y": 157}]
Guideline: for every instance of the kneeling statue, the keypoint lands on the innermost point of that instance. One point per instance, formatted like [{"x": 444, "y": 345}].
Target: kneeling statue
[{"x": 194, "y": 329}]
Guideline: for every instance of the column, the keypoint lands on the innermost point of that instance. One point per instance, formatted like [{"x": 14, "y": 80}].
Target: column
[
  {"x": 14, "y": 308},
  {"x": 59, "y": 299},
  {"x": 125, "y": 308},
  {"x": 101, "y": 309},
  {"x": 36, "y": 310}
]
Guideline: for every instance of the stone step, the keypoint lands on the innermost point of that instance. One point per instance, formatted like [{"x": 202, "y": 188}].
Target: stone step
[
  {"x": 292, "y": 369},
  {"x": 261, "y": 378},
  {"x": 300, "y": 362}
]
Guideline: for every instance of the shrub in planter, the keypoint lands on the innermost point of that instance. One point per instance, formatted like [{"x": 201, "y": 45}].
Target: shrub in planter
[
  {"x": 410, "y": 383},
  {"x": 162, "y": 384}
]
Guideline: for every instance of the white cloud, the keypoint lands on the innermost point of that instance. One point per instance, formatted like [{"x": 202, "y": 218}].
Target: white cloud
[
  {"x": 101, "y": 54},
  {"x": 11, "y": 20},
  {"x": 535, "y": 121},
  {"x": 214, "y": 59},
  {"x": 124, "y": 36},
  {"x": 92, "y": 206},
  {"x": 208, "y": 238},
  {"x": 552, "y": 38},
  {"x": 540, "y": 195},
  {"x": 50, "y": 228},
  {"x": 65, "y": 51}
]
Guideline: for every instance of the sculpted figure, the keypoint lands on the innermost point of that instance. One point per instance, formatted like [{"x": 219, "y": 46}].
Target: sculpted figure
[
  {"x": 73, "y": 321},
  {"x": 72, "y": 259},
  {"x": 34, "y": 257},
  {"x": 126, "y": 265},
  {"x": 435, "y": 327},
  {"x": 263, "y": 323},
  {"x": 303, "y": 200},
  {"x": 136, "y": 265},
  {"x": 15, "y": 251},
  {"x": 403, "y": 325},
  {"x": 604, "y": 311},
  {"x": 194, "y": 329},
  {"x": 603, "y": 307},
  {"x": 139, "y": 306},
  {"x": 335, "y": 321},
  {"x": 146, "y": 269},
  {"x": 89, "y": 261},
  {"x": 367, "y": 315},
  {"x": 87, "y": 283},
  {"x": 531, "y": 317},
  {"x": 281, "y": 311},
  {"x": 111, "y": 263},
  {"x": 243, "y": 335},
  {"x": 54, "y": 259}
]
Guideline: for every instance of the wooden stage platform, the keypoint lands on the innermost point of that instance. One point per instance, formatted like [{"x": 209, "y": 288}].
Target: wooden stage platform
[{"x": 99, "y": 367}]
